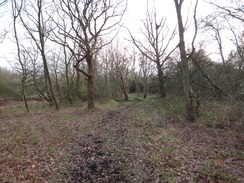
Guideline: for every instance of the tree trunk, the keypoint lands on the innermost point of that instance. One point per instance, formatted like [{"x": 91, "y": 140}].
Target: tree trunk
[
  {"x": 49, "y": 80},
  {"x": 90, "y": 84},
  {"x": 161, "y": 80},
  {"x": 126, "y": 97},
  {"x": 24, "y": 95},
  {"x": 44, "y": 59},
  {"x": 67, "y": 83},
  {"x": 145, "y": 88},
  {"x": 23, "y": 65},
  {"x": 185, "y": 68},
  {"x": 77, "y": 85},
  {"x": 57, "y": 83}
]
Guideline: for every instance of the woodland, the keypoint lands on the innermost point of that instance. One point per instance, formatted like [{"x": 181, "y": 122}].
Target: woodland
[{"x": 81, "y": 105}]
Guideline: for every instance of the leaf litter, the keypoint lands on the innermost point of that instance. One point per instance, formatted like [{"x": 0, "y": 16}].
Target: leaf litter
[{"x": 130, "y": 143}]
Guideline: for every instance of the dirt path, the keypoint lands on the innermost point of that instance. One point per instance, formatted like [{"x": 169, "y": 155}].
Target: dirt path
[
  {"x": 90, "y": 160},
  {"x": 129, "y": 144},
  {"x": 133, "y": 141}
]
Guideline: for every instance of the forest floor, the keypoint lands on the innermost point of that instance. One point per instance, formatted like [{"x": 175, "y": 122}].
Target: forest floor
[{"x": 132, "y": 141}]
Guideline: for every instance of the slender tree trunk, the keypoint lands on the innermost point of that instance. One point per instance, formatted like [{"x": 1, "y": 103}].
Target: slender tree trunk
[
  {"x": 219, "y": 40},
  {"x": 67, "y": 83},
  {"x": 106, "y": 87},
  {"x": 23, "y": 65},
  {"x": 49, "y": 80},
  {"x": 57, "y": 83},
  {"x": 185, "y": 68},
  {"x": 40, "y": 92},
  {"x": 46, "y": 89},
  {"x": 67, "y": 63},
  {"x": 123, "y": 87},
  {"x": 145, "y": 88},
  {"x": 44, "y": 59},
  {"x": 24, "y": 96},
  {"x": 77, "y": 84},
  {"x": 161, "y": 80}
]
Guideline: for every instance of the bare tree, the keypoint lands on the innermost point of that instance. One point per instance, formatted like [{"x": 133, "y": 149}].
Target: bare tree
[
  {"x": 3, "y": 2},
  {"x": 146, "y": 69},
  {"x": 4, "y": 33},
  {"x": 37, "y": 73},
  {"x": 228, "y": 15},
  {"x": 122, "y": 64},
  {"x": 87, "y": 27},
  {"x": 213, "y": 24},
  {"x": 55, "y": 57},
  {"x": 159, "y": 38},
  {"x": 109, "y": 65},
  {"x": 38, "y": 31},
  {"x": 68, "y": 71},
  {"x": 235, "y": 9},
  {"x": 16, "y": 9},
  {"x": 188, "y": 92},
  {"x": 68, "y": 60},
  {"x": 238, "y": 41}
]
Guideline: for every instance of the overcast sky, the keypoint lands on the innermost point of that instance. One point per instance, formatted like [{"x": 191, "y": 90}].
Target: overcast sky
[{"x": 136, "y": 13}]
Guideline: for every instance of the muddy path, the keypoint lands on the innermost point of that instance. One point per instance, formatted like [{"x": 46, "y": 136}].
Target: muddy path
[{"x": 90, "y": 160}]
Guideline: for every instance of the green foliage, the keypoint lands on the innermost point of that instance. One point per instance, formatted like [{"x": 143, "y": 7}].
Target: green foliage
[
  {"x": 209, "y": 116},
  {"x": 161, "y": 123},
  {"x": 170, "y": 107},
  {"x": 218, "y": 174},
  {"x": 124, "y": 169},
  {"x": 135, "y": 86},
  {"x": 166, "y": 177},
  {"x": 35, "y": 142},
  {"x": 167, "y": 150},
  {"x": 9, "y": 84}
]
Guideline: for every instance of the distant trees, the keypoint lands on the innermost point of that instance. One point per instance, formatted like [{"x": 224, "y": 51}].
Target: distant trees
[
  {"x": 203, "y": 69},
  {"x": 146, "y": 70},
  {"x": 9, "y": 85},
  {"x": 71, "y": 54},
  {"x": 114, "y": 71},
  {"x": 213, "y": 25},
  {"x": 157, "y": 45}
]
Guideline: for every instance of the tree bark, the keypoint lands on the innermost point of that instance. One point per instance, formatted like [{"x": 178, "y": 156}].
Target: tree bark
[
  {"x": 90, "y": 83},
  {"x": 145, "y": 88},
  {"x": 126, "y": 97},
  {"x": 49, "y": 79},
  {"x": 68, "y": 84},
  {"x": 185, "y": 68},
  {"x": 57, "y": 81},
  {"x": 161, "y": 80}
]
